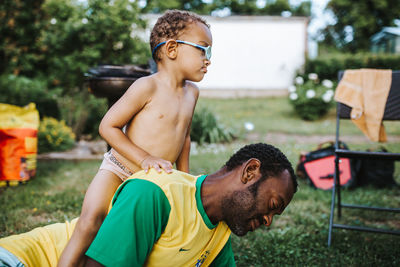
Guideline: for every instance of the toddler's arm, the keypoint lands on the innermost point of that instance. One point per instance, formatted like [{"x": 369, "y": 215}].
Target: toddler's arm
[{"x": 182, "y": 163}]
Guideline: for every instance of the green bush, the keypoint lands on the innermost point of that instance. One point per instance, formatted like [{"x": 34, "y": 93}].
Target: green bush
[
  {"x": 83, "y": 112},
  {"x": 54, "y": 135},
  {"x": 327, "y": 67},
  {"x": 311, "y": 99},
  {"x": 20, "y": 91},
  {"x": 206, "y": 128}
]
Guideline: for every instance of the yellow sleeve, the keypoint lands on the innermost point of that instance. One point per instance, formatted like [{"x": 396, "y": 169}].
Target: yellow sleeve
[{"x": 42, "y": 246}]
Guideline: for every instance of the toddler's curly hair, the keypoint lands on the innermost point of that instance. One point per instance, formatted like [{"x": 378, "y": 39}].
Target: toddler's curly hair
[{"x": 170, "y": 26}]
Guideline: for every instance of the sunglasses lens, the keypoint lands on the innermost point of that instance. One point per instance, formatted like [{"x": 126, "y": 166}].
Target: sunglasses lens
[{"x": 208, "y": 53}]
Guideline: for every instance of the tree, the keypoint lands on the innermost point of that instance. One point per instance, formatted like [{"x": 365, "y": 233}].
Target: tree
[
  {"x": 236, "y": 7},
  {"x": 81, "y": 35},
  {"x": 357, "y": 21},
  {"x": 159, "y": 6},
  {"x": 21, "y": 23},
  {"x": 48, "y": 45},
  {"x": 276, "y": 7}
]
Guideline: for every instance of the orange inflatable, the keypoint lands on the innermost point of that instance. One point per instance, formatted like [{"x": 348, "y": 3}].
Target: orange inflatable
[{"x": 18, "y": 143}]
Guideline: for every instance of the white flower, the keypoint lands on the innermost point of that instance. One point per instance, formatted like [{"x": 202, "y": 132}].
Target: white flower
[
  {"x": 330, "y": 92},
  {"x": 85, "y": 21},
  {"x": 292, "y": 89},
  {"x": 141, "y": 3},
  {"x": 249, "y": 126},
  {"x": 53, "y": 21},
  {"x": 299, "y": 80},
  {"x": 118, "y": 45},
  {"x": 313, "y": 76},
  {"x": 327, "y": 83},
  {"x": 327, "y": 97},
  {"x": 293, "y": 96},
  {"x": 310, "y": 93}
]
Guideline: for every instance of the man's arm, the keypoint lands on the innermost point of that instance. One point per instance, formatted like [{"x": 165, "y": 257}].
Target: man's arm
[
  {"x": 92, "y": 263},
  {"x": 137, "y": 219}
]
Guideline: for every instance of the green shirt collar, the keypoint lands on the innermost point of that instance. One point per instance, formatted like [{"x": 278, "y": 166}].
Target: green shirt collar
[{"x": 200, "y": 207}]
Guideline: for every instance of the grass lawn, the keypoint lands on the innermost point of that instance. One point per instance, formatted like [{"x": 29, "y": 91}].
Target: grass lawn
[
  {"x": 271, "y": 115},
  {"x": 296, "y": 238}
]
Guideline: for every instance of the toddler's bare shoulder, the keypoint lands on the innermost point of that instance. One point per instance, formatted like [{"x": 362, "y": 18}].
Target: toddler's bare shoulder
[
  {"x": 144, "y": 84},
  {"x": 193, "y": 88}
]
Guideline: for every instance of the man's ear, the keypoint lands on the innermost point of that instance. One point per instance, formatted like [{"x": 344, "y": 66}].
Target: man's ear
[
  {"x": 171, "y": 49},
  {"x": 251, "y": 170}
]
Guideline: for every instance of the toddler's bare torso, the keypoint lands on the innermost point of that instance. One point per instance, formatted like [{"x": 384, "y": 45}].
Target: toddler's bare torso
[{"x": 161, "y": 126}]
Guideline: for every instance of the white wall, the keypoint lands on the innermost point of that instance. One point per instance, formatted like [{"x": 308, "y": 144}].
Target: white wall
[
  {"x": 260, "y": 53},
  {"x": 254, "y": 52}
]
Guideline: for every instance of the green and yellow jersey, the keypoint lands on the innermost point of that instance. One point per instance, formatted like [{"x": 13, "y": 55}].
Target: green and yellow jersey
[
  {"x": 157, "y": 220},
  {"x": 160, "y": 219}
]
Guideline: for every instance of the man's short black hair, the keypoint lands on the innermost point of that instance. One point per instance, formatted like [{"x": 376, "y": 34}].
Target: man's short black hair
[{"x": 273, "y": 161}]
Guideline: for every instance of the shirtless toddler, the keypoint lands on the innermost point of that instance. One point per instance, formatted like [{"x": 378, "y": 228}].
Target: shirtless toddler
[{"x": 157, "y": 111}]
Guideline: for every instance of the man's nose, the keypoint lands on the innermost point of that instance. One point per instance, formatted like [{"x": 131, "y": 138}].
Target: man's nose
[{"x": 207, "y": 62}]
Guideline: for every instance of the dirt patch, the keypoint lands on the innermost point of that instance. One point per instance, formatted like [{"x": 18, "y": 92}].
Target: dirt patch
[
  {"x": 94, "y": 150},
  {"x": 84, "y": 150}
]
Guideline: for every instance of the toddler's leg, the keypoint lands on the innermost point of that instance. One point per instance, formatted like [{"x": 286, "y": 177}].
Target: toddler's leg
[{"x": 94, "y": 210}]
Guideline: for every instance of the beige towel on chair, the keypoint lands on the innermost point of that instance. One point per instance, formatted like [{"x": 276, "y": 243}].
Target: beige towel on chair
[{"x": 366, "y": 91}]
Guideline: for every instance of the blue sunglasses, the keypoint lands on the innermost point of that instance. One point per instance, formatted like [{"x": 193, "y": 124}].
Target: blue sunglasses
[{"x": 207, "y": 50}]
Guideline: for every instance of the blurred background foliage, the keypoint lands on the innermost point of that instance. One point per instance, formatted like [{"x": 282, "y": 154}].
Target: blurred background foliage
[
  {"x": 46, "y": 46},
  {"x": 356, "y": 21},
  {"x": 235, "y": 7},
  {"x": 327, "y": 66}
]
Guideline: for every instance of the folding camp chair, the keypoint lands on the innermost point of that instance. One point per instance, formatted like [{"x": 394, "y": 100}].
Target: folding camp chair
[{"x": 392, "y": 112}]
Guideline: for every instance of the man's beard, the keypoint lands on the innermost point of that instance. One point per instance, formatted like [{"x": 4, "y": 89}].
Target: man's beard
[{"x": 237, "y": 209}]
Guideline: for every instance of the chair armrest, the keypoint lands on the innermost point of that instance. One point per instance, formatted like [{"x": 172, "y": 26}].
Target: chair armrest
[{"x": 343, "y": 153}]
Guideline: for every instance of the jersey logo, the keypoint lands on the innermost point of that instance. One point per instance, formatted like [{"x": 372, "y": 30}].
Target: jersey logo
[
  {"x": 182, "y": 249},
  {"x": 203, "y": 257}
]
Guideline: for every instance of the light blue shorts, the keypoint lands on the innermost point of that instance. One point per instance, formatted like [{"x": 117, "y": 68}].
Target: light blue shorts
[{"x": 7, "y": 259}]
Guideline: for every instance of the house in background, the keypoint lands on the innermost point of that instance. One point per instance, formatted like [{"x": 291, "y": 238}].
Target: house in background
[
  {"x": 253, "y": 55},
  {"x": 386, "y": 41}
]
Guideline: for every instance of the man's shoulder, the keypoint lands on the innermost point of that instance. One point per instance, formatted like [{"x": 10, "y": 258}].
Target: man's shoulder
[
  {"x": 173, "y": 186},
  {"x": 163, "y": 179}
]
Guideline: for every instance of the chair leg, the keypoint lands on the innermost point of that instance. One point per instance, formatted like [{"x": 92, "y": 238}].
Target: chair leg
[
  {"x": 337, "y": 185},
  {"x": 332, "y": 214}
]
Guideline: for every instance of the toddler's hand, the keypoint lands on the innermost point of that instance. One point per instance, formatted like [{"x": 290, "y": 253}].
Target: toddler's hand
[{"x": 157, "y": 163}]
